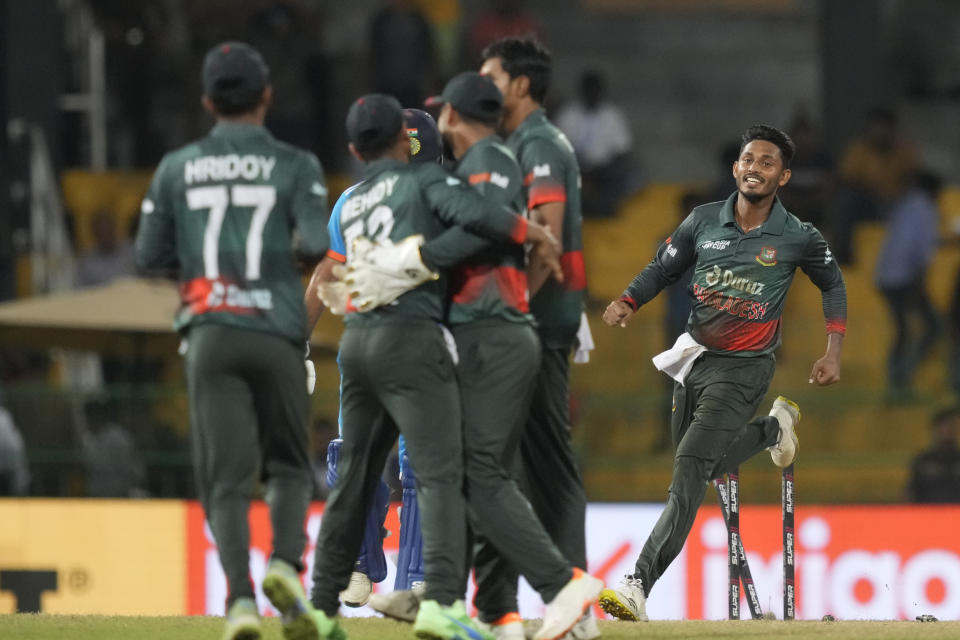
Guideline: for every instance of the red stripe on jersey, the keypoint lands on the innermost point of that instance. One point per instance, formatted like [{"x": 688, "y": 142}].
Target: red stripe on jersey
[
  {"x": 470, "y": 282},
  {"x": 477, "y": 178},
  {"x": 336, "y": 257},
  {"x": 528, "y": 179},
  {"x": 201, "y": 297},
  {"x": 543, "y": 194},
  {"x": 630, "y": 301},
  {"x": 837, "y": 326},
  {"x": 519, "y": 233},
  {"x": 574, "y": 271},
  {"x": 750, "y": 336}
]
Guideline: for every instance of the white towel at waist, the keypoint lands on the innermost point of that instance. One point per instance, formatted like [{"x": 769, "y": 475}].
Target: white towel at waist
[{"x": 677, "y": 361}]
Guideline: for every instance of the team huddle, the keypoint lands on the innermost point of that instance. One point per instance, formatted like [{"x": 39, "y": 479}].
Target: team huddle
[{"x": 462, "y": 294}]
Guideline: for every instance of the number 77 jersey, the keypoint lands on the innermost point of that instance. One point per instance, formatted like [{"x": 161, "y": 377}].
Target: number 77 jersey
[{"x": 226, "y": 212}]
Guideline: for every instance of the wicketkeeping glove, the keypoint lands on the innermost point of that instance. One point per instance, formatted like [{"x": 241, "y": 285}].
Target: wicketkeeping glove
[
  {"x": 379, "y": 273},
  {"x": 334, "y": 294}
]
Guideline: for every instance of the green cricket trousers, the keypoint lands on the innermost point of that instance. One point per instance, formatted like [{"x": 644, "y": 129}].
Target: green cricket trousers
[
  {"x": 396, "y": 376},
  {"x": 498, "y": 367},
  {"x": 713, "y": 431},
  {"x": 249, "y": 409}
]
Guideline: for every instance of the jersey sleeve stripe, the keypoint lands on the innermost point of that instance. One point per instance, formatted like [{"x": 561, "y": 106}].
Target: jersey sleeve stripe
[
  {"x": 545, "y": 195},
  {"x": 519, "y": 233},
  {"x": 336, "y": 256},
  {"x": 477, "y": 178},
  {"x": 837, "y": 326}
]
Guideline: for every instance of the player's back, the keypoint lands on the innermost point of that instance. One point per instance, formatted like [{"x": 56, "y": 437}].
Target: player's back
[
  {"x": 234, "y": 199},
  {"x": 392, "y": 203}
]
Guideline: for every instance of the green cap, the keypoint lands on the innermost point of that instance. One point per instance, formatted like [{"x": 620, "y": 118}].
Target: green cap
[
  {"x": 473, "y": 95},
  {"x": 234, "y": 71},
  {"x": 373, "y": 120}
]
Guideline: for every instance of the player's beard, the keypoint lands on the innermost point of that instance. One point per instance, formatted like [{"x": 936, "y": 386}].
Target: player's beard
[{"x": 754, "y": 197}]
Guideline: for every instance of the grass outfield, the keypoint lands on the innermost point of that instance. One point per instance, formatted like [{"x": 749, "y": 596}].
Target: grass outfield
[{"x": 42, "y": 627}]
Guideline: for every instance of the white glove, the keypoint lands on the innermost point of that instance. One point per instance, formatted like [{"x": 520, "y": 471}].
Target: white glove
[
  {"x": 379, "y": 273},
  {"x": 334, "y": 294}
]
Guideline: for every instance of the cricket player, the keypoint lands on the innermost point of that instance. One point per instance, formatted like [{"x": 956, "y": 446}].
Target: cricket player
[
  {"x": 521, "y": 69},
  {"x": 371, "y": 566},
  {"x": 499, "y": 357},
  {"x": 223, "y": 211},
  {"x": 744, "y": 252},
  {"x": 397, "y": 373}
]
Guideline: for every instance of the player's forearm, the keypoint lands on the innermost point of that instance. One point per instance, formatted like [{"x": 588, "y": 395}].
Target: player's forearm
[
  {"x": 646, "y": 285},
  {"x": 834, "y": 346},
  {"x": 537, "y": 274},
  {"x": 452, "y": 247},
  {"x": 835, "y": 308},
  {"x": 311, "y": 298}
]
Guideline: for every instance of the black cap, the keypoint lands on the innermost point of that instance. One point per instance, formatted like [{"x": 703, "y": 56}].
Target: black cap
[
  {"x": 234, "y": 71},
  {"x": 473, "y": 95},
  {"x": 373, "y": 120},
  {"x": 425, "y": 144}
]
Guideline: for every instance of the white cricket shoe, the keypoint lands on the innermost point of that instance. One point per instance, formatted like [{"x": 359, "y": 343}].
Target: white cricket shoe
[
  {"x": 507, "y": 627},
  {"x": 569, "y": 605},
  {"x": 787, "y": 413},
  {"x": 626, "y": 602},
  {"x": 402, "y": 605},
  {"x": 585, "y": 629},
  {"x": 358, "y": 590}
]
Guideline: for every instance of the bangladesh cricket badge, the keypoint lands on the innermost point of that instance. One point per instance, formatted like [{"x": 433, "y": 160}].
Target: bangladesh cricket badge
[{"x": 767, "y": 257}]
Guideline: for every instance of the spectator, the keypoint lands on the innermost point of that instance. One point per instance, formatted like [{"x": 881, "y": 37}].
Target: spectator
[
  {"x": 874, "y": 171},
  {"x": 935, "y": 473},
  {"x": 404, "y": 63},
  {"x": 901, "y": 277},
  {"x": 14, "y": 470},
  {"x": 806, "y": 195},
  {"x": 113, "y": 467},
  {"x": 602, "y": 140},
  {"x": 501, "y": 18},
  {"x": 111, "y": 255}
]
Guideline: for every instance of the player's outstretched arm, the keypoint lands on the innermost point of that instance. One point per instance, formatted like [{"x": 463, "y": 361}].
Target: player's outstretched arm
[
  {"x": 826, "y": 370},
  {"x": 617, "y": 312}
]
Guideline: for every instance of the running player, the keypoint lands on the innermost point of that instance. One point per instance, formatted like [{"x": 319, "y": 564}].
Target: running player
[
  {"x": 521, "y": 69},
  {"x": 222, "y": 211},
  {"x": 745, "y": 252}
]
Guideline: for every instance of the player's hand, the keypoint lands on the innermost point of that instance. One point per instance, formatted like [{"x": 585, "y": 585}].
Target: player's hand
[
  {"x": 334, "y": 294},
  {"x": 826, "y": 371},
  {"x": 617, "y": 312},
  {"x": 546, "y": 248}
]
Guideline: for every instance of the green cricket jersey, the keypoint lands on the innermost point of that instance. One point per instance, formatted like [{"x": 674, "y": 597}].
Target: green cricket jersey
[
  {"x": 226, "y": 211},
  {"x": 551, "y": 174},
  {"x": 493, "y": 282},
  {"x": 396, "y": 200},
  {"x": 740, "y": 280}
]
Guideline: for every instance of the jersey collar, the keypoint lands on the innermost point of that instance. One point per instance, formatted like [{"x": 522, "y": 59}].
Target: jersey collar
[
  {"x": 381, "y": 164},
  {"x": 774, "y": 225},
  {"x": 239, "y": 130},
  {"x": 535, "y": 118}
]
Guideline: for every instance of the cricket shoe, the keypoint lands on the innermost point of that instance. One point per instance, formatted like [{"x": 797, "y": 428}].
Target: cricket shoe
[
  {"x": 435, "y": 622},
  {"x": 506, "y": 627},
  {"x": 243, "y": 621},
  {"x": 300, "y": 620},
  {"x": 569, "y": 605},
  {"x": 402, "y": 605},
  {"x": 358, "y": 590},
  {"x": 787, "y": 413},
  {"x": 585, "y": 629},
  {"x": 626, "y": 602}
]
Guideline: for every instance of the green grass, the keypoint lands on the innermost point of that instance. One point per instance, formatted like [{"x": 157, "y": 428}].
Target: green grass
[{"x": 42, "y": 627}]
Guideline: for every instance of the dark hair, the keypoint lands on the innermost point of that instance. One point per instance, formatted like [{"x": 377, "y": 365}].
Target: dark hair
[
  {"x": 237, "y": 103},
  {"x": 882, "y": 114},
  {"x": 524, "y": 57},
  {"x": 770, "y": 134}
]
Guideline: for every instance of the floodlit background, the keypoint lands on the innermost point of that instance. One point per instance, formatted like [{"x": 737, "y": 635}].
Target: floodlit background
[{"x": 94, "y": 92}]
